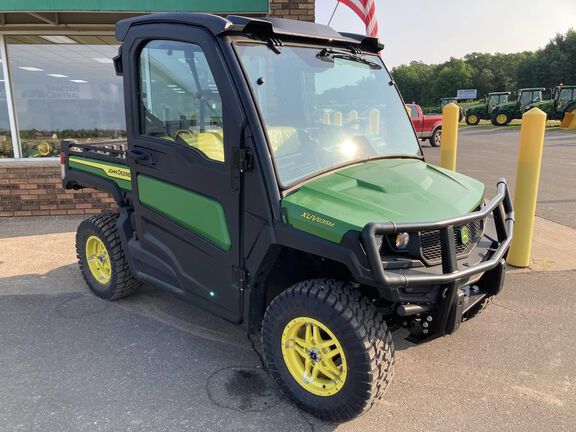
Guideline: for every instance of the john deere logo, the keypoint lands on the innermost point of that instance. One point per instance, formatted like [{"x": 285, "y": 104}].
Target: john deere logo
[{"x": 465, "y": 235}]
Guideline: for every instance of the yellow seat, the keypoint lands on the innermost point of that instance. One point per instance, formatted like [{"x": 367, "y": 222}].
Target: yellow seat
[
  {"x": 209, "y": 143},
  {"x": 283, "y": 138}
]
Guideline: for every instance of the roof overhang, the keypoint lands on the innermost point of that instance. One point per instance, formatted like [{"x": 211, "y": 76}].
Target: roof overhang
[{"x": 264, "y": 27}]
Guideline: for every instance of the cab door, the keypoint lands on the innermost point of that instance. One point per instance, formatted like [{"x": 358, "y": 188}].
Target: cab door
[
  {"x": 417, "y": 120},
  {"x": 184, "y": 122}
]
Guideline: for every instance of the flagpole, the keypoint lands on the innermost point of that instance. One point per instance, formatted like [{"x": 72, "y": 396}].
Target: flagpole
[{"x": 333, "y": 12}]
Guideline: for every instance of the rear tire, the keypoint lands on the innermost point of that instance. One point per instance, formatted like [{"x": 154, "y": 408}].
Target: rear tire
[
  {"x": 363, "y": 365},
  {"x": 436, "y": 138},
  {"x": 101, "y": 258}
]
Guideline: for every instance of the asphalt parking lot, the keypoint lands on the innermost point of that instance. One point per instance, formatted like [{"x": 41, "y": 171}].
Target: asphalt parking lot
[
  {"x": 72, "y": 362},
  {"x": 488, "y": 153}
]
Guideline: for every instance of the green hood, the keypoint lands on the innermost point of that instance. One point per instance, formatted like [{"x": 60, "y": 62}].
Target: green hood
[
  {"x": 506, "y": 106},
  {"x": 476, "y": 108},
  {"x": 386, "y": 190}
]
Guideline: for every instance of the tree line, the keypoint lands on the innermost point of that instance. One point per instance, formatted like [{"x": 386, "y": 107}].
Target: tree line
[{"x": 547, "y": 67}]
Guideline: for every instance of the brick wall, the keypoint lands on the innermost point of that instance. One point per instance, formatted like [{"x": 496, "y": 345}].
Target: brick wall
[
  {"x": 294, "y": 9},
  {"x": 31, "y": 190}
]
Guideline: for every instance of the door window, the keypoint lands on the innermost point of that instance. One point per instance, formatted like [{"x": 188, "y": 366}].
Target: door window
[
  {"x": 179, "y": 99},
  {"x": 565, "y": 96}
]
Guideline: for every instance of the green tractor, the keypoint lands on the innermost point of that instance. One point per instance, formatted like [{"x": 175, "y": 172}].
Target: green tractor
[
  {"x": 563, "y": 101},
  {"x": 483, "y": 111},
  {"x": 504, "y": 113},
  {"x": 445, "y": 101}
]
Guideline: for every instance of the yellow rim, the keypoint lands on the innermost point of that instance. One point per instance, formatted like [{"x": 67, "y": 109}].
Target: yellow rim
[
  {"x": 501, "y": 118},
  {"x": 472, "y": 118},
  {"x": 314, "y": 356},
  {"x": 98, "y": 260}
]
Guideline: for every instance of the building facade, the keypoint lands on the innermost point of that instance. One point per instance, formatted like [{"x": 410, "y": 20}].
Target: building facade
[{"x": 57, "y": 82}]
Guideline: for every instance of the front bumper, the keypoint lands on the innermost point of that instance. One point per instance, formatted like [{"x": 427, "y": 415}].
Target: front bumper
[{"x": 448, "y": 311}]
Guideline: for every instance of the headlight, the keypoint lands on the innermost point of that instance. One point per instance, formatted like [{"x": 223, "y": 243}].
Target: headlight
[{"x": 401, "y": 240}]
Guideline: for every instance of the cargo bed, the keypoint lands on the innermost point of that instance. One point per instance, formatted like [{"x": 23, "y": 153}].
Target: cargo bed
[{"x": 100, "y": 165}]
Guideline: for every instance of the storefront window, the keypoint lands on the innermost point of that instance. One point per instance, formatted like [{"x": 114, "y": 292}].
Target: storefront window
[
  {"x": 64, "y": 87},
  {"x": 6, "y": 150}
]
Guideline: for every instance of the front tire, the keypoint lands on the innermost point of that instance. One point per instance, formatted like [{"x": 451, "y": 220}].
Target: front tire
[
  {"x": 436, "y": 138},
  {"x": 101, "y": 258},
  {"x": 501, "y": 119},
  {"x": 328, "y": 349},
  {"x": 472, "y": 119}
]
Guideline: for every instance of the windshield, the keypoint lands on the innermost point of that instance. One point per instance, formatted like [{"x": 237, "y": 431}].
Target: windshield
[{"x": 325, "y": 108}]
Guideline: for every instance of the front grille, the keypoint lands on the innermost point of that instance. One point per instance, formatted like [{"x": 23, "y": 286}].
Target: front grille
[{"x": 432, "y": 248}]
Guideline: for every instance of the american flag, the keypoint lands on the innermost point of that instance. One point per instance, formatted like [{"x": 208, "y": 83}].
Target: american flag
[{"x": 366, "y": 10}]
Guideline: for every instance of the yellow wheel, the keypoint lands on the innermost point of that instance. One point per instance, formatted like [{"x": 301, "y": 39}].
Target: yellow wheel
[
  {"x": 472, "y": 119},
  {"x": 328, "y": 348},
  {"x": 314, "y": 356},
  {"x": 98, "y": 260},
  {"x": 101, "y": 258},
  {"x": 501, "y": 119}
]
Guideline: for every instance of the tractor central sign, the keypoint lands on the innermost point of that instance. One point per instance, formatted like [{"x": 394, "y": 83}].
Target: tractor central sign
[{"x": 466, "y": 94}]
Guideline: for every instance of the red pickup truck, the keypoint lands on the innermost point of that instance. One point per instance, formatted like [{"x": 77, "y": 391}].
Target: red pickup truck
[{"x": 427, "y": 126}]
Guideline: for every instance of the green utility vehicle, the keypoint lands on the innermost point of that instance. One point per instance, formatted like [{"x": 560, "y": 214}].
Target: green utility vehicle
[
  {"x": 563, "y": 101},
  {"x": 483, "y": 111},
  {"x": 234, "y": 194},
  {"x": 504, "y": 113}
]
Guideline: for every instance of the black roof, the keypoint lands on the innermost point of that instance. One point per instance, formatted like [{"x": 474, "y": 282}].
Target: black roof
[{"x": 265, "y": 26}]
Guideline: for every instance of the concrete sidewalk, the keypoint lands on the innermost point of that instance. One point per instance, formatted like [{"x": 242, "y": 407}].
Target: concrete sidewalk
[{"x": 553, "y": 247}]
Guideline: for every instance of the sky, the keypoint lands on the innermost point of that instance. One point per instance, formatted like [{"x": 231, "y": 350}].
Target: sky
[{"x": 432, "y": 31}]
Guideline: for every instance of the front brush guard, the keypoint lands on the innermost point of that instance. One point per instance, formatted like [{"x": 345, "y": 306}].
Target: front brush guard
[{"x": 390, "y": 283}]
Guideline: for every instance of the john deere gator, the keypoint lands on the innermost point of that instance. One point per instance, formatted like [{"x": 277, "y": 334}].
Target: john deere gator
[{"x": 234, "y": 194}]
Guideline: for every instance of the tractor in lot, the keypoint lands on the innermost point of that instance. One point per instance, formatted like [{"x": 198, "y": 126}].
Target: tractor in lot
[
  {"x": 234, "y": 192},
  {"x": 504, "y": 113},
  {"x": 483, "y": 111},
  {"x": 563, "y": 101},
  {"x": 445, "y": 101}
]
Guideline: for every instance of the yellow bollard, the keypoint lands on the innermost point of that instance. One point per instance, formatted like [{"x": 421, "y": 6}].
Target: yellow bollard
[
  {"x": 526, "y": 188},
  {"x": 449, "y": 143},
  {"x": 338, "y": 118},
  {"x": 374, "y": 122},
  {"x": 326, "y": 118},
  {"x": 353, "y": 119}
]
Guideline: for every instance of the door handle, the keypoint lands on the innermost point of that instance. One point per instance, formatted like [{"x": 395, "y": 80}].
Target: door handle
[{"x": 140, "y": 156}]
